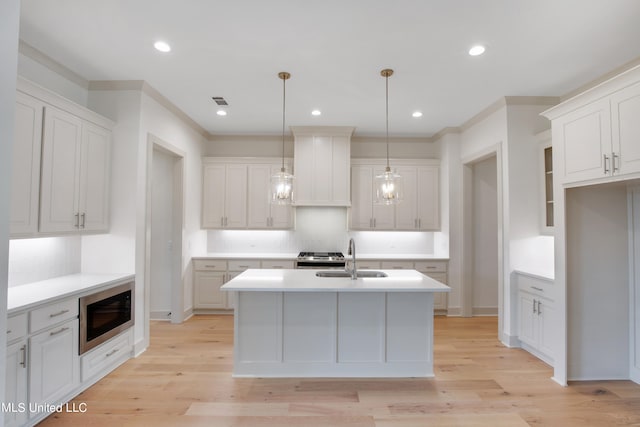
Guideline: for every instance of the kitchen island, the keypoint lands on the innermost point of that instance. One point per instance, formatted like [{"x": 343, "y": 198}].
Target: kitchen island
[{"x": 291, "y": 323}]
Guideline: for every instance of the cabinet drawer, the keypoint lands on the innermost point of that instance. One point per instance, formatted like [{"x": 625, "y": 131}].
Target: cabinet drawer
[
  {"x": 209, "y": 265},
  {"x": 429, "y": 266},
  {"x": 367, "y": 265},
  {"x": 107, "y": 356},
  {"x": 440, "y": 277},
  {"x": 397, "y": 265},
  {"x": 16, "y": 327},
  {"x": 274, "y": 263},
  {"x": 534, "y": 285},
  {"x": 52, "y": 314},
  {"x": 242, "y": 265}
]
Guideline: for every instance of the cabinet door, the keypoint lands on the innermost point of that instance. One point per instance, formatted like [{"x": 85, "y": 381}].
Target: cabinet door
[
  {"x": 547, "y": 327},
  {"x": 625, "y": 111},
  {"x": 16, "y": 385},
  {"x": 384, "y": 216},
  {"x": 54, "y": 367},
  {"x": 94, "y": 178},
  {"x": 60, "y": 171},
  {"x": 528, "y": 326},
  {"x": 406, "y": 210},
  {"x": 428, "y": 198},
  {"x": 25, "y": 176},
  {"x": 585, "y": 136},
  {"x": 304, "y": 169},
  {"x": 340, "y": 165},
  {"x": 235, "y": 198},
  {"x": 362, "y": 197},
  {"x": 281, "y": 215},
  {"x": 207, "y": 293},
  {"x": 213, "y": 185},
  {"x": 258, "y": 203}
]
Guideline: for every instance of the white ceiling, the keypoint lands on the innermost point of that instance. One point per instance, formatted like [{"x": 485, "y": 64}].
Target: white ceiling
[{"x": 334, "y": 50}]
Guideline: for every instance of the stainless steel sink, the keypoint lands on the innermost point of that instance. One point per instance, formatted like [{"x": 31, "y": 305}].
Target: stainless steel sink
[{"x": 342, "y": 273}]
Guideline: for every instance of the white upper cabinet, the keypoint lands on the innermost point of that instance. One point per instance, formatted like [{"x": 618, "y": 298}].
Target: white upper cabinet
[
  {"x": 419, "y": 209},
  {"x": 261, "y": 212},
  {"x": 25, "y": 177},
  {"x": 75, "y": 174},
  {"x": 596, "y": 135},
  {"x": 224, "y": 199},
  {"x": 321, "y": 166},
  {"x": 365, "y": 213},
  {"x": 625, "y": 117}
]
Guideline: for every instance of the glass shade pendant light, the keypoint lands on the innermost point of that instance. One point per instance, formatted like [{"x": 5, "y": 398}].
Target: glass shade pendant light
[
  {"x": 388, "y": 185},
  {"x": 281, "y": 188}
]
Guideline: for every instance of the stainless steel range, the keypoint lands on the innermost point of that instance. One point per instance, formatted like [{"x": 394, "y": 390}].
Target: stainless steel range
[{"x": 320, "y": 260}]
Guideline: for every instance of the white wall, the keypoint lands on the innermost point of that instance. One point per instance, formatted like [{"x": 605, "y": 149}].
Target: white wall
[
  {"x": 485, "y": 237},
  {"x": 9, "y": 23}
]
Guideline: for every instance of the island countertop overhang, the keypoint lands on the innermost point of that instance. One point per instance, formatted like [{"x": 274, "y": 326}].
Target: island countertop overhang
[{"x": 300, "y": 280}]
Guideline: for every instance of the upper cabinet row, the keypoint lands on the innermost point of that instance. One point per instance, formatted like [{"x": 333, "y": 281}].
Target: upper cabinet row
[
  {"x": 236, "y": 195},
  {"x": 61, "y": 166},
  {"x": 600, "y": 139}
]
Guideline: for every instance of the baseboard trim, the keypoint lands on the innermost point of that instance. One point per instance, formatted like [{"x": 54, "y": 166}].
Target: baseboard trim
[
  {"x": 160, "y": 315},
  {"x": 484, "y": 311}
]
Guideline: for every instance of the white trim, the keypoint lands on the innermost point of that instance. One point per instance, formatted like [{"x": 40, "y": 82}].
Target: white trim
[
  {"x": 245, "y": 160},
  {"x": 396, "y": 162},
  {"x": 322, "y": 130},
  {"x": 43, "y": 59}
]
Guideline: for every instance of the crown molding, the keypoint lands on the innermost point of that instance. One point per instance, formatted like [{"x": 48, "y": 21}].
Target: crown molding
[
  {"x": 608, "y": 76},
  {"x": 43, "y": 59}
]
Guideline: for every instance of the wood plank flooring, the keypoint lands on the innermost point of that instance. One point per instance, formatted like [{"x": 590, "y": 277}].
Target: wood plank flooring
[{"x": 184, "y": 379}]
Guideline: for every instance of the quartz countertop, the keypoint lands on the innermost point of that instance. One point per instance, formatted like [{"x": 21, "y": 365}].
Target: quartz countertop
[
  {"x": 26, "y": 296},
  {"x": 293, "y": 256},
  {"x": 287, "y": 280}
]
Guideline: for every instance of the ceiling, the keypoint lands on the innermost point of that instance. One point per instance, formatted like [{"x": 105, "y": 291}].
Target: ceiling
[{"x": 335, "y": 50}]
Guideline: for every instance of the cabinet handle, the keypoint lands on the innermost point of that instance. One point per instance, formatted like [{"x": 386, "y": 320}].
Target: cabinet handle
[
  {"x": 374, "y": 223},
  {"x": 431, "y": 267},
  {"x": 537, "y": 289},
  {"x": 419, "y": 222},
  {"x": 395, "y": 267},
  {"x": 614, "y": 156},
  {"x": 82, "y": 217},
  {"x": 112, "y": 352},
  {"x": 606, "y": 171},
  {"x": 77, "y": 223},
  {"x": 225, "y": 221},
  {"x": 8, "y": 331},
  {"x": 60, "y": 313},
  {"x": 539, "y": 304},
  {"x": 58, "y": 332},
  {"x": 23, "y": 362},
  {"x": 534, "y": 306},
  {"x": 243, "y": 266}
]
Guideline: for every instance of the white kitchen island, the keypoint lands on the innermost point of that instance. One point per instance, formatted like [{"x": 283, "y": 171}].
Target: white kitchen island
[{"x": 290, "y": 323}]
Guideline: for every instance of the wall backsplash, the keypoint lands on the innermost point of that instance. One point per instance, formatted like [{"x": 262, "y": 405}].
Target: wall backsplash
[
  {"x": 319, "y": 229},
  {"x": 32, "y": 260}
]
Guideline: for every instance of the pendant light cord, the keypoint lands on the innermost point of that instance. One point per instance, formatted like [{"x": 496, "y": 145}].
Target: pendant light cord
[
  {"x": 387, "y": 114},
  {"x": 284, "y": 103}
]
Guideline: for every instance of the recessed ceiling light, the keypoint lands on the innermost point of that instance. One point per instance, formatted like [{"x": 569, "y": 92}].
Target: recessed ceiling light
[
  {"x": 162, "y": 46},
  {"x": 476, "y": 50},
  {"x": 417, "y": 114},
  {"x": 221, "y": 113},
  {"x": 316, "y": 113}
]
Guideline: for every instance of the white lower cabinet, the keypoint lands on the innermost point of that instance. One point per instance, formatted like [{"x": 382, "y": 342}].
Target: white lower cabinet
[
  {"x": 16, "y": 397},
  {"x": 536, "y": 312},
  {"x": 207, "y": 291},
  {"x": 103, "y": 359},
  {"x": 54, "y": 365}
]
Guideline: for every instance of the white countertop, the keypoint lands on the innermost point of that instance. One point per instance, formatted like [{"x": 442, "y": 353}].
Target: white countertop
[
  {"x": 285, "y": 280},
  {"x": 25, "y": 296}
]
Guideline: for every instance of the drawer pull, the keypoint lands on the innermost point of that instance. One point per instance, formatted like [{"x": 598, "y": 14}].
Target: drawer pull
[
  {"x": 395, "y": 267},
  {"x": 112, "y": 352},
  {"x": 431, "y": 267},
  {"x": 8, "y": 331},
  {"x": 60, "y": 313},
  {"x": 537, "y": 289},
  {"x": 23, "y": 350},
  {"x": 243, "y": 266},
  {"x": 58, "y": 332},
  {"x": 210, "y": 266}
]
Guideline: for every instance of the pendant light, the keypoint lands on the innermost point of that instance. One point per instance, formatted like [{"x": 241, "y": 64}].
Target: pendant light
[
  {"x": 281, "y": 189},
  {"x": 388, "y": 185}
]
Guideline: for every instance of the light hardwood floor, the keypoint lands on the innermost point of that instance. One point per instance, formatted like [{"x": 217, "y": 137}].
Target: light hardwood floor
[{"x": 184, "y": 379}]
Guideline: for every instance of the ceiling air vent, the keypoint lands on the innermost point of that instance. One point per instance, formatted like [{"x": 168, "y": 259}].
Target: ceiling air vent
[{"x": 219, "y": 100}]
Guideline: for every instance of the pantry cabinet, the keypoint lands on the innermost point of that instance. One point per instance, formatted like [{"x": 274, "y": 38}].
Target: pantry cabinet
[{"x": 321, "y": 164}]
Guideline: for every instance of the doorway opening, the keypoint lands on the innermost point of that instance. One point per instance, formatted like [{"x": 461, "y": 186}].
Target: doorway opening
[
  {"x": 483, "y": 255},
  {"x": 164, "y": 291}
]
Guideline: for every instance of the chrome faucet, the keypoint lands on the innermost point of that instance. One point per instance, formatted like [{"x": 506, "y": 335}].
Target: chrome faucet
[{"x": 352, "y": 251}]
